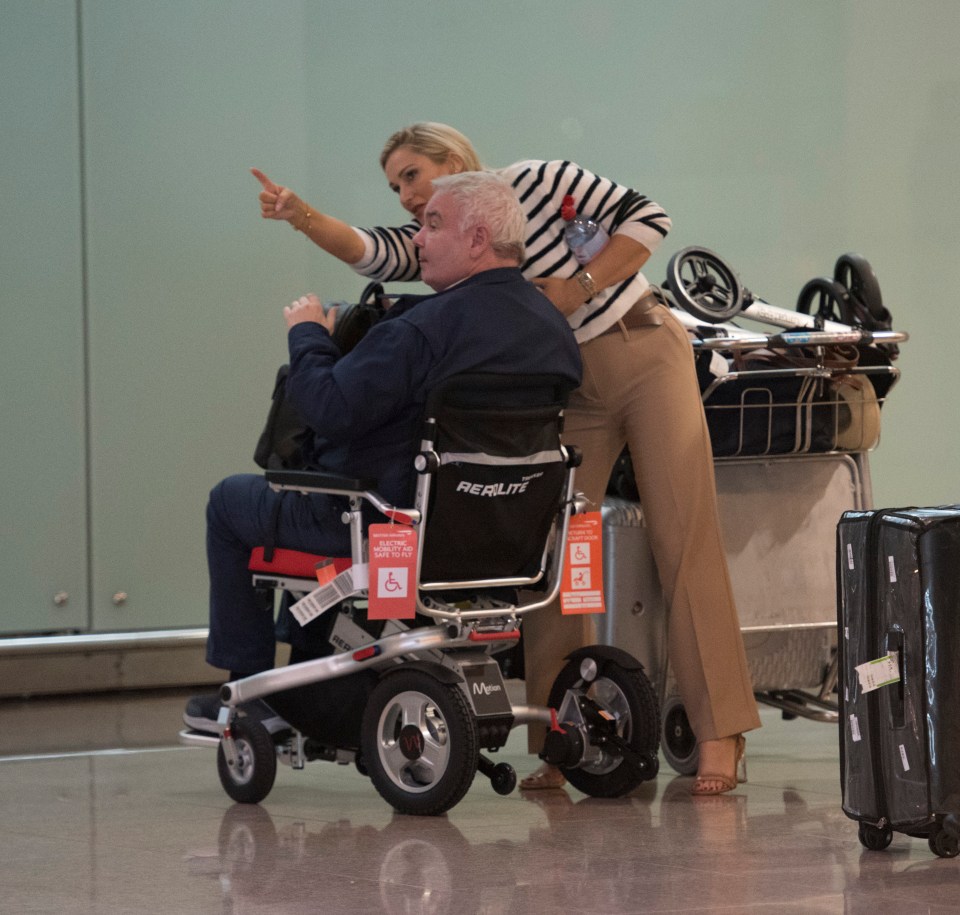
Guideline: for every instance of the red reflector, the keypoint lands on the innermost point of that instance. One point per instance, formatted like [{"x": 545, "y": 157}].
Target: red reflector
[{"x": 365, "y": 653}]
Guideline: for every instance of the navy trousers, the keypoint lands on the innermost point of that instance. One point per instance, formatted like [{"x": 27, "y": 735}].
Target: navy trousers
[{"x": 241, "y": 514}]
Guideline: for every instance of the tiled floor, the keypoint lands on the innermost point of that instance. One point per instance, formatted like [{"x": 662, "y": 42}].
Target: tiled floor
[{"x": 103, "y": 812}]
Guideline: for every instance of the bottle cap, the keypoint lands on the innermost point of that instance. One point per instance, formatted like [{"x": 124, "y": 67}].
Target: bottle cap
[{"x": 568, "y": 209}]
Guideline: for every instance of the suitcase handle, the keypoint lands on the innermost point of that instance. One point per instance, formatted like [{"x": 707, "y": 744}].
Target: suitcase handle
[{"x": 894, "y": 645}]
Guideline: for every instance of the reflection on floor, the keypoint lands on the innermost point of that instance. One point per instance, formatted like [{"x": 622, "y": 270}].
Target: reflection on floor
[{"x": 102, "y": 812}]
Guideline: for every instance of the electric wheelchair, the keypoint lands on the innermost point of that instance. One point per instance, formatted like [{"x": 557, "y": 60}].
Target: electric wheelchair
[{"x": 416, "y": 704}]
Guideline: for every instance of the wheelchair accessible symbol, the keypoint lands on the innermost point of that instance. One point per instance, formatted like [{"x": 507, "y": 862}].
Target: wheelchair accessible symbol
[{"x": 392, "y": 582}]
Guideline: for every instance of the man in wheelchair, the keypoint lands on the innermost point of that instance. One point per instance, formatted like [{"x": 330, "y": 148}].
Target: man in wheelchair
[{"x": 365, "y": 408}]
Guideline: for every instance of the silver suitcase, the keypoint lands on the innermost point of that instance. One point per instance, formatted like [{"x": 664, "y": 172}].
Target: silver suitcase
[{"x": 635, "y": 618}]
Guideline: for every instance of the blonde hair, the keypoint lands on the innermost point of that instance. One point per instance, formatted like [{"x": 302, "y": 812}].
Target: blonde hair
[
  {"x": 437, "y": 142},
  {"x": 485, "y": 198}
]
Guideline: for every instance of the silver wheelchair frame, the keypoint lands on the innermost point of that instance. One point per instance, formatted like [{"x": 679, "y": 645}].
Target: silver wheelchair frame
[{"x": 440, "y": 697}]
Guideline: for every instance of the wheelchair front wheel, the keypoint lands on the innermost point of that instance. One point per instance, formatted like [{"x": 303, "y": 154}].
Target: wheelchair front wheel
[
  {"x": 419, "y": 743},
  {"x": 250, "y": 778},
  {"x": 629, "y": 698}
]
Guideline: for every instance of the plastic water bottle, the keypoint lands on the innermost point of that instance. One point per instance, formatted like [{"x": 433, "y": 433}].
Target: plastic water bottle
[{"x": 585, "y": 237}]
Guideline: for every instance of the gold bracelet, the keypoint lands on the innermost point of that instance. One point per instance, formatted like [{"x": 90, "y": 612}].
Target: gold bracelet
[
  {"x": 304, "y": 223},
  {"x": 587, "y": 282}
]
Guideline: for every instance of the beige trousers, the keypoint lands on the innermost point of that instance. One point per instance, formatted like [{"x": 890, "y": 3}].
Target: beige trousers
[{"x": 640, "y": 388}]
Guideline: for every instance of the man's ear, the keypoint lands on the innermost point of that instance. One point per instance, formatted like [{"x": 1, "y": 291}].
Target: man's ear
[{"x": 479, "y": 240}]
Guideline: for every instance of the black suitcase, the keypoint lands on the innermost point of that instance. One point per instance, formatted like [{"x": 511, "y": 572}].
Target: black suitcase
[{"x": 898, "y": 584}]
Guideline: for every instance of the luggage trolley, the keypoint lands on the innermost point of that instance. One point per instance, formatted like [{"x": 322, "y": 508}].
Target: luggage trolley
[{"x": 792, "y": 416}]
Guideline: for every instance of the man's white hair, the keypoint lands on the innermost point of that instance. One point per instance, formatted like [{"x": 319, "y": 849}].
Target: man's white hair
[{"x": 486, "y": 199}]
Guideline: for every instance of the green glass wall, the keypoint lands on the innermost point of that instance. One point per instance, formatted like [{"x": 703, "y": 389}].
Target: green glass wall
[{"x": 141, "y": 293}]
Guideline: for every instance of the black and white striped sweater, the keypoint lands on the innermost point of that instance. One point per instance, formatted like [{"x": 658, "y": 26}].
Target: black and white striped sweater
[{"x": 390, "y": 255}]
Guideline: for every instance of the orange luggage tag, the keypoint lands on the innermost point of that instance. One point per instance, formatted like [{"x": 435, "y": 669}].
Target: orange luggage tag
[
  {"x": 392, "y": 593},
  {"x": 582, "y": 588}
]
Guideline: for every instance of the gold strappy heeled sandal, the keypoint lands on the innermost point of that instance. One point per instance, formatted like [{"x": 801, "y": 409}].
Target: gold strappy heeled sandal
[{"x": 708, "y": 784}]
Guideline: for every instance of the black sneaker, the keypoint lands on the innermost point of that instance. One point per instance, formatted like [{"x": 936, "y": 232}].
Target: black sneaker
[{"x": 202, "y": 712}]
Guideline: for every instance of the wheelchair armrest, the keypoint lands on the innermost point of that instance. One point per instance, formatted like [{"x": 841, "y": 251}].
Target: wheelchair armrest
[
  {"x": 316, "y": 480},
  {"x": 334, "y": 484}
]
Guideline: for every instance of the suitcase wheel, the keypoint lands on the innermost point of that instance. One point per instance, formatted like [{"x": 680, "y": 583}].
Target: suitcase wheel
[
  {"x": 875, "y": 838},
  {"x": 943, "y": 844}
]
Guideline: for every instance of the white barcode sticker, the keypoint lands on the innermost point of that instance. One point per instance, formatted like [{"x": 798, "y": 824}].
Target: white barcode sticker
[
  {"x": 883, "y": 672},
  {"x": 891, "y": 565},
  {"x": 903, "y": 758},
  {"x": 854, "y": 728},
  {"x": 326, "y": 596},
  {"x": 850, "y": 565}
]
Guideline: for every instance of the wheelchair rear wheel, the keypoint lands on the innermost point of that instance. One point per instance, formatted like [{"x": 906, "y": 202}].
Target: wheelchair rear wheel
[
  {"x": 250, "y": 779},
  {"x": 419, "y": 743},
  {"x": 629, "y": 698}
]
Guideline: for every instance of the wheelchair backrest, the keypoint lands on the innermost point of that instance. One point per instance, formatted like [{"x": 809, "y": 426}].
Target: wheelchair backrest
[{"x": 501, "y": 479}]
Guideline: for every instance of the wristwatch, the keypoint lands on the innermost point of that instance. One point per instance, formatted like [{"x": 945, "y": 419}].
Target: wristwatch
[{"x": 587, "y": 282}]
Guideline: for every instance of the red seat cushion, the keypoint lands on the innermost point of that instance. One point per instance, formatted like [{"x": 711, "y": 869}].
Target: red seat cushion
[{"x": 293, "y": 563}]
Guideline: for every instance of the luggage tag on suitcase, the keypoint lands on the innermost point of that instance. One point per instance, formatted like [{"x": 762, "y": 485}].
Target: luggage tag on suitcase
[
  {"x": 582, "y": 588},
  {"x": 883, "y": 671}
]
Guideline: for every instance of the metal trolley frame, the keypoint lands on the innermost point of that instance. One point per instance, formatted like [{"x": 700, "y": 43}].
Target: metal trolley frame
[{"x": 780, "y": 498}]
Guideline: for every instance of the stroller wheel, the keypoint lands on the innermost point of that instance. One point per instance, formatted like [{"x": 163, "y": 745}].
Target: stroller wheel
[
  {"x": 855, "y": 274},
  {"x": 250, "y": 778},
  {"x": 419, "y": 742},
  {"x": 827, "y": 299},
  {"x": 702, "y": 284}
]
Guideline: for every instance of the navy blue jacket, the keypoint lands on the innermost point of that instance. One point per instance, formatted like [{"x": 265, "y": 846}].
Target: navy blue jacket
[{"x": 366, "y": 407}]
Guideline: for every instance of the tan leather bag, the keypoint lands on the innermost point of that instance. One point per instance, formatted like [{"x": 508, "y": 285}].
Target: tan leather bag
[{"x": 858, "y": 413}]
